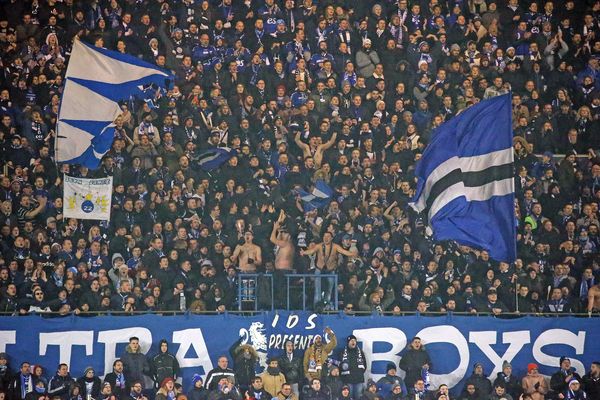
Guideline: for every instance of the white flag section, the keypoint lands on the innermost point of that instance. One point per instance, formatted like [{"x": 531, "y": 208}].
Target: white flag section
[
  {"x": 96, "y": 81},
  {"x": 87, "y": 198}
]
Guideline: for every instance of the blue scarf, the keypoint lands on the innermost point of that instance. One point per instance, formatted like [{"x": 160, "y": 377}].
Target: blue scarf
[{"x": 25, "y": 383}]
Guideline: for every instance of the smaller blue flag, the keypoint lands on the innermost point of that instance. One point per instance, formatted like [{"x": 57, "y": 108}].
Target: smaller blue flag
[
  {"x": 214, "y": 158},
  {"x": 320, "y": 196}
]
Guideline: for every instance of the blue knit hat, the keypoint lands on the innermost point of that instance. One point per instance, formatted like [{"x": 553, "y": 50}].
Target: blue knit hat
[{"x": 195, "y": 379}]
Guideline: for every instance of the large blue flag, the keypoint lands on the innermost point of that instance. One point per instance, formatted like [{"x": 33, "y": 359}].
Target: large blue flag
[
  {"x": 96, "y": 80},
  {"x": 465, "y": 179}
]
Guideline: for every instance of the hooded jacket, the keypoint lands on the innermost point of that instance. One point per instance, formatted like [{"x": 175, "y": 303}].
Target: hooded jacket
[
  {"x": 244, "y": 367},
  {"x": 272, "y": 380},
  {"x": 164, "y": 365}
]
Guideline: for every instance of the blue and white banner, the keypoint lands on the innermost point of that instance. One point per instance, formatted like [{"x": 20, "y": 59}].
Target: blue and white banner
[
  {"x": 320, "y": 196},
  {"x": 96, "y": 80},
  {"x": 465, "y": 179},
  {"x": 454, "y": 343},
  {"x": 214, "y": 158},
  {"x": 87, "y": 198}
]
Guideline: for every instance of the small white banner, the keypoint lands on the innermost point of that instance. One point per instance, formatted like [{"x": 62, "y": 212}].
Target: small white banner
[{"x": 87, "y": 198}]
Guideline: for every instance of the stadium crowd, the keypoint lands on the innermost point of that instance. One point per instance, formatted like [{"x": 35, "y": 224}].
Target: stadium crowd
[
  {"x": 321, "y": 373},
  {"x": 344, "y": 92}
]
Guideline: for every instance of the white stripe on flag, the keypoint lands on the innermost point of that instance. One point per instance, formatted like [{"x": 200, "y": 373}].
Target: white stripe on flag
[
  {"x": 466, "y": 164},
  {"x": 477, "y": 193}
]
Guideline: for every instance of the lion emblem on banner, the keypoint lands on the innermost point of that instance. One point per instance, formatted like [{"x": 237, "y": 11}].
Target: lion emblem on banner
[{"x": 256, "y": 336}]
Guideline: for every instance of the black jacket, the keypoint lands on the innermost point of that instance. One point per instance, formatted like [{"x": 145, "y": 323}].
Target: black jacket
[
  {"x": 215, "y": 374},
  {"x": 164, "y": 365},
  {"x": 353, "y": 365},
  {"x": 412, "y": 362},
  {"x": 592, "y": 386},
  {"x": 59, "y": 386},
  {"x": 96, "y": 386},
  {"x": 513, "y": 385},
  {"x": 292, "y": 369},
  {"x": 558, "y": 383}
]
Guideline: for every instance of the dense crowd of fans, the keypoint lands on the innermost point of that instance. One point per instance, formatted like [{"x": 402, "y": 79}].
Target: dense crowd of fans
[
  {"x": 348, "y": 92},
  {"x": 321, "y": 373}
]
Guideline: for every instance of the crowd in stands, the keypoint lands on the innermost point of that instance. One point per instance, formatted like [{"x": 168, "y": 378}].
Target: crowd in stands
[
  {"x": 347, "y": 92},
  {"x": 321, "y": 373}
]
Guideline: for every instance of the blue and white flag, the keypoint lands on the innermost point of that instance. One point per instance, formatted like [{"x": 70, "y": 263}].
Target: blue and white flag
[
  {"x": 96, "y": 80},
  {"x": 214, "y": 158},
  {"x": 320, "y": 196},
  {"x": 465, "y": 179}
]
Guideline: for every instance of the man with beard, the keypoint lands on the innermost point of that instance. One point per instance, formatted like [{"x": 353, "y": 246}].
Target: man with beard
[
  {"x": 316, "y": 355},
  {"x": 273, "y": 379}
]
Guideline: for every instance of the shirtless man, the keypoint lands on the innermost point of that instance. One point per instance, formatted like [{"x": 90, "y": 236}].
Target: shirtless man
[
  {"x": 593, "y": 299},
  {"x": 313, "y": 148},
  {"x": 248, "y": 254},
  {"x": 284, "y": 256},
  {"x": 328, "y": 253},
  {"x": 327, "y": 262}
]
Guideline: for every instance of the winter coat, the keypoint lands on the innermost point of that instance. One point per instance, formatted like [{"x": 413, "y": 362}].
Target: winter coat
[
  {"x": 135, "y": 365},
  {"x": 95, "y": 382},
  {"x": 59, "y": 386},
  {"x": 215, "y": 375},
  {"x": 315, "y": 358},
  {"x": 385, "y": 385},
  {"x": 5, "y": 375},
  {"x": 198, "y": 394},
  {"x": 412, "y": 363},
  {"x": 314, "y": 395},
  {"x": 272, "y": 383},
  {"x": 292, "y": 369},
  {"x": 292, "y": 396},
  {"x": 530, "y": 381},
  {"x": 245, "y": 369},
  {"x": 592, "y": 386},
  {"x": 334, "y": 384},
  {"x": 14, "y": 387},
  {"x": 513, "y": 386},
  {"x": 482, "y": 383},
  {"x": 117, "y": 391},
  {"x": 558, "y": 382},
  {"x": 353, "y": 365}
]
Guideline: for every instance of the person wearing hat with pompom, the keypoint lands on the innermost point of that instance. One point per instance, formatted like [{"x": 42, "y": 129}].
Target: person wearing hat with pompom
[
  {"x": 534, "y": 384},
  {"x": 573, "y": 391},
  {"x": 198, "y": 391},
  {"x": 512, "y": 384},
  {"x": 353, "y": 366},
  {"x": 559, "y": 382}
]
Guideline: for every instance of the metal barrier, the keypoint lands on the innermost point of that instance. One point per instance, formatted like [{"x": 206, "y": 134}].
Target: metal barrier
[
  {"x": 319, "y": 294},
  {"x": 249, "y": 293}
]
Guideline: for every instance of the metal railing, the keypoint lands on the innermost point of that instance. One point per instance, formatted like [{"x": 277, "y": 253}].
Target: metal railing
[
  {"x": 317, "y": 286},
  {"x": 250, "y": 291}
]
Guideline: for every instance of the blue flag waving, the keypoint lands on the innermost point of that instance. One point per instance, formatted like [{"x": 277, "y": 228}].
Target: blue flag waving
[
  {"x": 465, "y": 179},
  {"x": 320, "y": 196},
  {"x": 214, "y": 158},
  {"x": 96, "y": 80}
]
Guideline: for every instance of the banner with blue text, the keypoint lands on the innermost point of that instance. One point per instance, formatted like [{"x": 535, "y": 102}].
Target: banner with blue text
[{"x": 454, "y": 343}]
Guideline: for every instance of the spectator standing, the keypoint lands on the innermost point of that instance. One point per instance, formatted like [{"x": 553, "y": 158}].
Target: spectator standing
[
  {"x": 353, "y": 365},
  {"x": 513, "y": 386},
  {"x": 291, "y": 365},
  {"x": 315, "y": 356},
  {"x": 414, "y": 360},
  {"x": 164, "y": 364},
  {"x": 221, "y": 371},
  {"x": 135, "y": 363}
]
